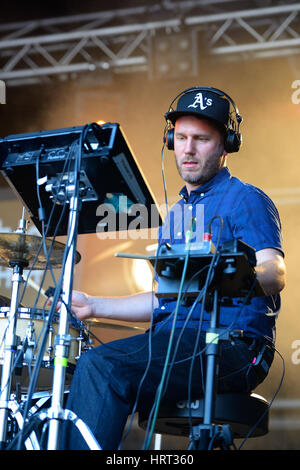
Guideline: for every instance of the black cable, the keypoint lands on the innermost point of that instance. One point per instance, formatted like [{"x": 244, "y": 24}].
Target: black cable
[
  {"x": 176, "y": 347},
  {"x": 172, "y": 362},
  {"x": 270, "y": 403},
  {"x": 227, "y": 329},
  {"x": 48, "y": 252},
  {"x": 201, "y": 294},
  {"x": 209, "y": 278},
  {"x": 247, "y": 366},
  {"x": 54, "y": 206},
  {"x": 191, "y": 311},
  {"x": 41, "y": 210},
  {"x": 159, "y": 391},
  {"x": 149, "y": 351},
  {"x": 56, "y": 297},
  {"x": 39, "y": 359},
  {"x": 24, "y": 346},
  {"x": 165, "y": 186}
]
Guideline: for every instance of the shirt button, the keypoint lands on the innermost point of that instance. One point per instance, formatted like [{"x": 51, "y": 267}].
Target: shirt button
[
  {"x": 202, "y": 194},
  {"x": 190, "y": 208},
  {"x": 162, "y": 307}
]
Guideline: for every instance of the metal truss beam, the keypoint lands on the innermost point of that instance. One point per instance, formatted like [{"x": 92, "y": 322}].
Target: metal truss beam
[{"x": 122, "y": 40}]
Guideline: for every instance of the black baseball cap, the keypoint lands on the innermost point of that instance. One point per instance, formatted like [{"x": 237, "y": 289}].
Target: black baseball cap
[{"x": 202, "y": 102}]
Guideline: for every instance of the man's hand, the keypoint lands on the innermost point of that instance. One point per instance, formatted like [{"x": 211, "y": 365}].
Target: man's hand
[{"x": 82, "y": 305}]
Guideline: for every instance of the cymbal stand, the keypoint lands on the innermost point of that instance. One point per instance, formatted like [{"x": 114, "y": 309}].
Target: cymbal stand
[{"x": 11, "y": 340}]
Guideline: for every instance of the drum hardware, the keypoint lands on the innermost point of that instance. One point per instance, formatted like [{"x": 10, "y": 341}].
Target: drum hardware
[
  {"x": 19, "y": 251},
  {"x": 10, "y": 344},
  {"x": 75, "y": 339},
  {"x": 30, "y": 327},
  {"x": 30, "y": 342},
  {"x": 5, "y": 301},
  {"x": 103, "y": 155},
  {"x": 26, "y": 249},
  {"x": 50, "y": 342},
  {"x": 16, "y": 420},
  {"x": 74, "y": 194},
  {"x": 16, "y": 423},
  {"x": 80, "y": 343},
  {"x": 21, "y": 351},
  {"x": 28, "y": 430}
]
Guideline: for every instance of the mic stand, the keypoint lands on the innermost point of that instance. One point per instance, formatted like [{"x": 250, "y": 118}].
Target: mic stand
[{"x": 208, "y": 433}]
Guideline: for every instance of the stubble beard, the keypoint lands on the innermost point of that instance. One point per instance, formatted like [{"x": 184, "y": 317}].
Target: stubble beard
[{"x": 203, "y": 174}]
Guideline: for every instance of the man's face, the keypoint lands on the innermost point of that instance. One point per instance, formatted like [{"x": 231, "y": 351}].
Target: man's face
[{"x": 199, "y": 150}]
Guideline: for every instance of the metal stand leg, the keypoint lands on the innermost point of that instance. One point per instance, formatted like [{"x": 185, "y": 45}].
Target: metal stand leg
[
  {"x": 157, "y": 442},
  {"x": 56, "y": 413},
  {"x": 48, "y": 415},
  {"x": 62, "y": 340},
  {"x": 10, "y": 347},
  {"x": 208, "y": 434}
]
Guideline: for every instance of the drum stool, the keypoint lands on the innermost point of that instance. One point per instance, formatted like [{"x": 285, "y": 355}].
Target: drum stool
[{"x": 241, "y": 411}]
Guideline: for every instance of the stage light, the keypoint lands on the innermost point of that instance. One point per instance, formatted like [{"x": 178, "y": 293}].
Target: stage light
[
  {"x": 175, "y": 55},
  {"x": 142, "y": 274},
  {"x": 152, "y": 247}
]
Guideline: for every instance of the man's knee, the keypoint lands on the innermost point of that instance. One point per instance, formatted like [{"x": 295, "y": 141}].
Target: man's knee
[{"x": 94, "y": 361}]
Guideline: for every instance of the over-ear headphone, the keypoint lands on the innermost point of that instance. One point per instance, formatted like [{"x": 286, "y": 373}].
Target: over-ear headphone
[{"x": 232, "y": 138}]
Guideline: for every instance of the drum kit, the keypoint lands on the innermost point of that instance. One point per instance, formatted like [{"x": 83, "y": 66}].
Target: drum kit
[
  {"x": 22, "y": 331},
  {"x": 62, "y": 177}
]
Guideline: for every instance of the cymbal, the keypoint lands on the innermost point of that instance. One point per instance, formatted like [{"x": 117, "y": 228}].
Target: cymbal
[
  {"x": 4, "y": 301},
  {"x": 113, "y": 325},
  {"x": 21, "y": 247}
]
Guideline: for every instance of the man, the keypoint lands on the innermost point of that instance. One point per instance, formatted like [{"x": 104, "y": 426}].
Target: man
[{"x": 115, "y": 379}]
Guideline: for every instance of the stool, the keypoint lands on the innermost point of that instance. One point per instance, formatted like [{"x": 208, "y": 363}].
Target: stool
[{"x": 241, "y": 411}]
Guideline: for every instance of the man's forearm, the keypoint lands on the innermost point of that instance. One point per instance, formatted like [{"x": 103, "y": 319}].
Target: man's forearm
[{"x": 136, "y": 308}]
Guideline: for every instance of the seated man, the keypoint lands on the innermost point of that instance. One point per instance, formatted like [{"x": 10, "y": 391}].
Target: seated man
[{"x": 112, "y": 380}]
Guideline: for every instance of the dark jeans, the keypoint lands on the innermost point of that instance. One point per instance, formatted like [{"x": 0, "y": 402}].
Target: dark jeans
[{"x": 107, "y": 378}]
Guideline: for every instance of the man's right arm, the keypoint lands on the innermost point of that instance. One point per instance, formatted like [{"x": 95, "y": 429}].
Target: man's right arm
[{"x": 134, "y": 308}]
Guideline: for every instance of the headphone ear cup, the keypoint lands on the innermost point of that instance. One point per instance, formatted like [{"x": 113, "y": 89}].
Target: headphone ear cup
[
  {"x": 170, "y": 139},
  {"x": 232, "y": 141}
]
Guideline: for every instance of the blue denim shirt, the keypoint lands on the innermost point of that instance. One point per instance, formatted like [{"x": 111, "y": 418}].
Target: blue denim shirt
[{"x": 248, "y": 214}]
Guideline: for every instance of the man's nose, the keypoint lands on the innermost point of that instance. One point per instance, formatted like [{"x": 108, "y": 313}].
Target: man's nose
[{"x": 189, "y": 146}]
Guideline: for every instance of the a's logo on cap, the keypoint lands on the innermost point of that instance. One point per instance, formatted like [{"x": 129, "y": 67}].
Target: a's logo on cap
[{"x": 199, "y": 101}]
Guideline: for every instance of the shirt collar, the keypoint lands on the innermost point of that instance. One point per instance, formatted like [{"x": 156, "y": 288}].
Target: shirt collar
[{"x": 219, "y": 178}]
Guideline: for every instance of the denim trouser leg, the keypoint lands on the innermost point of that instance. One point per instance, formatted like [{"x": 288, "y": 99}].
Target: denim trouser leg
[
  {"x": 107, "y": 378},
  {"x": 97, "y": 400}
]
